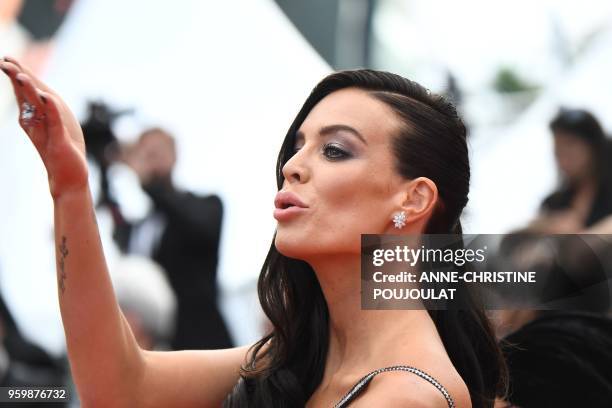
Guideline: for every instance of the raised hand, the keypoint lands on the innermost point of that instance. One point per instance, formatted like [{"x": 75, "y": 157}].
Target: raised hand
[{"x": 52, "y": 128}]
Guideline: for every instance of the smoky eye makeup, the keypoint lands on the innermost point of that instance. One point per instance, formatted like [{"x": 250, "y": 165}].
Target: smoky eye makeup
[
  {"x": 334, "y": 146},
  {"x": 333, "y": 150}
]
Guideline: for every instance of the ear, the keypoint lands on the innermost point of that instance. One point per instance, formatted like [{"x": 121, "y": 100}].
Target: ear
[{"x": 420, "y": 196}]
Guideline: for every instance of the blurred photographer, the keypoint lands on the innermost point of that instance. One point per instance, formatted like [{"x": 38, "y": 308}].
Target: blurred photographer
[{"x": 180, "y": 231}]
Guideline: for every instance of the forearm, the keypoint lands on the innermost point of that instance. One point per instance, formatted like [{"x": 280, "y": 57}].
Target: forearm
[{"x": 105, "y": 359}]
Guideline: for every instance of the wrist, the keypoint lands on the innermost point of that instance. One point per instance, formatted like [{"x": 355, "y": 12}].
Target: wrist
[
  {"x": 76, "y": 194},
  {"x": 68, "y": 181}
]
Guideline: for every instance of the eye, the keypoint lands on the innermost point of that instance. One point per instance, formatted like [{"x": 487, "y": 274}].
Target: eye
[{"x": 334, "y": 152}]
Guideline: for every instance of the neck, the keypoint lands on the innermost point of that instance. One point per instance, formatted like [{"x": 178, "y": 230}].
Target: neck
[
  {"x": 360, "y": 338},
  {"x": 584, "y": 195}
]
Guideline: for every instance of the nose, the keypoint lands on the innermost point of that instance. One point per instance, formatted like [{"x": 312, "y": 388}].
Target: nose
[{"x": 295, "y": 169}]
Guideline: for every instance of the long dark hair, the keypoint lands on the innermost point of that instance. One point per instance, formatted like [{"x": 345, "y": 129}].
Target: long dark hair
[{"x": 432, "y": 143}]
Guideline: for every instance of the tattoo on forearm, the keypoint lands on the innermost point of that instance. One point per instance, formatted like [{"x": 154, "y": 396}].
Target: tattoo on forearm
[{"x": 63, "y": 250}]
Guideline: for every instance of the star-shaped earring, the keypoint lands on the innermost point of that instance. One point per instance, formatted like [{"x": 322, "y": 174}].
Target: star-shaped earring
[{"x": 399, "y": 219}]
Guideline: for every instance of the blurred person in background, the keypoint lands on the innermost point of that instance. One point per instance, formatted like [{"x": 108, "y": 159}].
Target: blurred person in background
[
  {"x": 179, "y": 230},
  {"x": 584, "y": 159},
  {"x": 563, "y": 357},
  {"x": 182, "y": 234},
  {"x": 576, "y": 274}
]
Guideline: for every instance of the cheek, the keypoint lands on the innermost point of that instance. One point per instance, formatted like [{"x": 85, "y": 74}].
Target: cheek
[
  {"x": 575, "y": 162},
  {"x": 352, "y": 201},
  {"x": 566, "y": 159},
  {"x": 573, "y": 155},
  {"x": 167, "y": 161},
  {"x": 583, "y": 157}
]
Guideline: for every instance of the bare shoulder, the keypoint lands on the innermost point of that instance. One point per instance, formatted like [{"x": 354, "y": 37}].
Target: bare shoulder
[
  {"x": 405, "y": 389},
  {"x": 189, "y": 378}
]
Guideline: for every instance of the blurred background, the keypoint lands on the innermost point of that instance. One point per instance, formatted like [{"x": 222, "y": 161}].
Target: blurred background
[{"x": 224, "y": 81}]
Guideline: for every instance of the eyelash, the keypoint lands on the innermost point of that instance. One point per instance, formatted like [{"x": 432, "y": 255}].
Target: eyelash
[
  {"x": 330, "y": 146},
  {"x": 340, "y": 153}
]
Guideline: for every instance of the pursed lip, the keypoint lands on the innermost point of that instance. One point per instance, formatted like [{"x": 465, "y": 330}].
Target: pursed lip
[
  {"x": 287, "y": 199},
  {"x": 287, "y": 205}
]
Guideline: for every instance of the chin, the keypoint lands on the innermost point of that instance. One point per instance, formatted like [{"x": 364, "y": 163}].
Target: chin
[
  {"x": 293, "y": 247},
  {"x": 288, "y": 249}
]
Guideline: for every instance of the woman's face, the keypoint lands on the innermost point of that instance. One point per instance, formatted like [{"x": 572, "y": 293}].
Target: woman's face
[
  {"x": 573, "y": 156},
  {"x": 344, "y": 174}
]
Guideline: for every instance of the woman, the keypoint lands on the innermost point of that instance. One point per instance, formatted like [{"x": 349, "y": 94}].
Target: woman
[
  {"x": 365, "y": 146},
  {"x": 584, "y": 196},
  {"x": 581, "y": 204}
]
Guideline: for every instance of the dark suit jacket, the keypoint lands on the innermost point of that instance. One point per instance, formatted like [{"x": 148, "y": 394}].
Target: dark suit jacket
[{"x": 188, "y": 252}]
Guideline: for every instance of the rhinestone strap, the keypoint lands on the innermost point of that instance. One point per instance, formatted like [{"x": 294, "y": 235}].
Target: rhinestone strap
[{"x": 346, "y": 400}]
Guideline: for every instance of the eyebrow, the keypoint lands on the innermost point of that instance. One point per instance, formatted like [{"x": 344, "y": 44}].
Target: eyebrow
[{"x": 327, "y": 130}]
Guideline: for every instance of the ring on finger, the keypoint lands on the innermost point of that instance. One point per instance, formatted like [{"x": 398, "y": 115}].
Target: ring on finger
[
  {"x": 27, "y": 111},
  {"x": 28, "y": 114}
]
